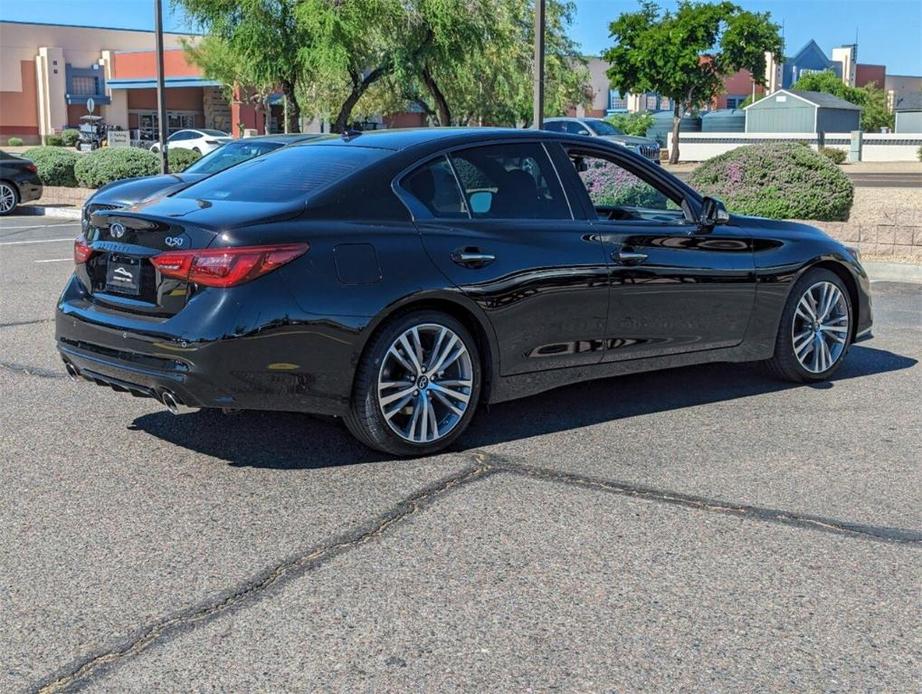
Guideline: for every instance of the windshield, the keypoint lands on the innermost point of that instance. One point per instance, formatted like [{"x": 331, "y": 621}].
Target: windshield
[
  {"x": 287, "y": 174},
  {"x": 601, "y": 127},
  {"x": 229, "y": 155}
]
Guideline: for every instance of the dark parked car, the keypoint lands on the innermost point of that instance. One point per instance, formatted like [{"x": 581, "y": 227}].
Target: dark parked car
[
  {"x": 397, "y": 279},
  {"x": 596, "y": 127},
  {"x": 19, "y": 182},
  {"x": 130, "y": 191}
]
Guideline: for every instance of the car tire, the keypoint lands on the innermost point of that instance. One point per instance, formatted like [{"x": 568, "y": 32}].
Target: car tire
[
  {"x": 9, "y": 198},
  {"x": 196, "y": 150},
  {"x": 810, "y": 346},
  {"x": 389, "y": 389}
]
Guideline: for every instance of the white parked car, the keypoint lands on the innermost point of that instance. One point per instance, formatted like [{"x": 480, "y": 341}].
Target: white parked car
[{"x": 201, "y": 141}]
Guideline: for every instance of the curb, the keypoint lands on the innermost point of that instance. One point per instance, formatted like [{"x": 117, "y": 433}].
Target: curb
[
  {"x": 44, "y": 211},
  {"x": 893, "y": 272}
]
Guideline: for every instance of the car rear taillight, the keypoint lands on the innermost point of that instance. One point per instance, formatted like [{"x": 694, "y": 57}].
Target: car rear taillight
[
  {"x": 82, "y": 250},
  {"x": 31, "y": 168},
  {"x": 226, "y": 267}
]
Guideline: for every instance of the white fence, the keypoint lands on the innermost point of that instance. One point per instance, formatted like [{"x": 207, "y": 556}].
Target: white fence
[{"x": 875, "y": 146}]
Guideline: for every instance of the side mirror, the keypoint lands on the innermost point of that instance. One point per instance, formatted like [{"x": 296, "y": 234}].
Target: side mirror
[
  {"x": 713, "y": 212},
  {"x": 481, "y": 201}
]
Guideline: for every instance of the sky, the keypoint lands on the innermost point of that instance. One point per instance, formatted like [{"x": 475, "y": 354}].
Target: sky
[{"x": 889, "y": 31}]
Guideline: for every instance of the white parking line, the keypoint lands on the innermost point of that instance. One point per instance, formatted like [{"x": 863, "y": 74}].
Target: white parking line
[
  {"x": 25, "y": 243},
  {"x": 53, "y": 260},
  {"x": 41, "y": 226}
]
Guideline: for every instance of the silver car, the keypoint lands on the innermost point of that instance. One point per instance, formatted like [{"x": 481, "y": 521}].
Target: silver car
[{"x": 596, "y": 127}]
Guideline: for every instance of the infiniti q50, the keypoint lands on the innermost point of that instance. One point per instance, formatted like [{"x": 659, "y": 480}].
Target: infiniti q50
[{"x": 398, "y": 279}]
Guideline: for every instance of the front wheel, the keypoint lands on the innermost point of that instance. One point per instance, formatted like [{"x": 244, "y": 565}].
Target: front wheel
[
  {"x": 417, "y": 385},
  {"x": 9, "y": 198},
  {"x": 815, "y": 330}
]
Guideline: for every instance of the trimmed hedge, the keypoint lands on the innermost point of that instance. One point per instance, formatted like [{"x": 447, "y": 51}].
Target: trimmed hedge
[
  {"x": 777, "y": 180},
  {"x": 14, "y": 142},
  {"x": 55, "y": 165},
  {"x": 69, "y": 137},
  {"x": 919, "y": 154},
  {"x": 54, "y": 140},
  {"x": 102, "y": 166},
  {"x": 836, "y": 156},
  {"x": 181, "y": 159}
]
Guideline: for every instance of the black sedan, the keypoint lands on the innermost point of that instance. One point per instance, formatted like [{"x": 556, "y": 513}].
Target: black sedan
[
  {"x": 398, "y": 279},
  {"x": 19, "y": 182},
  {"x": 130, "y": 191}
]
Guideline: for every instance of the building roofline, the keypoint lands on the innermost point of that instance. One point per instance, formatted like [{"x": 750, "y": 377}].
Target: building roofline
[{"x": 93, "y": 26}]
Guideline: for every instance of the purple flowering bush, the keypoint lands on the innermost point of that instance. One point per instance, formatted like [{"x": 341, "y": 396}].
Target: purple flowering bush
[
  {"x": 783, "y": 180},
  {"x": 611, "y": 186}
]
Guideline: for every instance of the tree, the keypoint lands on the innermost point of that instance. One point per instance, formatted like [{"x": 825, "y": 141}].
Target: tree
[
  {"x": 261, "y": 39},
  {"x": 632, "y": 123},
  {"x": 873, "y": 101},
  {"x": 685, "y": 55}
]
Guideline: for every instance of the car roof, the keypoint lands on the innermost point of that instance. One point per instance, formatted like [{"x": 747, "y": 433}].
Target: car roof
[
  {"x": 399, "y": 139},
  {"x": 287, "y": 139}
]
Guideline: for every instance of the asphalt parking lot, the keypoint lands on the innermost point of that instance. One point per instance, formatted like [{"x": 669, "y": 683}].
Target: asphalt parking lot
[{"x": 698, "y": 529}]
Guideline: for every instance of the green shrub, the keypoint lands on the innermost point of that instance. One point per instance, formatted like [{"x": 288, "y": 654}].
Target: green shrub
[
  {"x": 69, "y": 137},
  {"x": 777, "y": 180},
  {"x": 54, "y": 140},
  {"x": 919, "y": 153},
  {"x": 181, "y": 159},
  {"x": 102, "y": 166},
  {"x": 836, "y": 156},
  {"x": 632, "y": 123},
  {"x": 55, "y": 165},
  {"x": 14, "y": 142}
]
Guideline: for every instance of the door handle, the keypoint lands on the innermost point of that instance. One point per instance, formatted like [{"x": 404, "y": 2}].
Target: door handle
[
  {"x": 471, "y": 257},
  {"x": 629, "y": 257}
]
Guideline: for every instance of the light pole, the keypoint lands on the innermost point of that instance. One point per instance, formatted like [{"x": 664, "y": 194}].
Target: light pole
[
  {"x": 161, "y": 88},
  {"x": 538, "y": 89}
]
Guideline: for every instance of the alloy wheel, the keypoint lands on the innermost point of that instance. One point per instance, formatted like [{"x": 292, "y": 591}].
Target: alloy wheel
[
  {"x": 425, "y": 383},
  {"x": 820, "y": 328},
  {"x": 7, "y": 198}
]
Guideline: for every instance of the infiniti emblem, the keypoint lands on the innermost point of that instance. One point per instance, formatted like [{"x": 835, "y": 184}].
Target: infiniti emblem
[{"x": 117, "y": 230}]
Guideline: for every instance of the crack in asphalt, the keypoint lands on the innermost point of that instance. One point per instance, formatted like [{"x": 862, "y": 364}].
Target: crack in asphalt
[
  {"x": 36, "y": 371},
  {"x": 878, "y": 533},
  {"x": 13, "y": 324},
  {"x": 81, "y": 672},
  {"x": 86, "y": 669}
]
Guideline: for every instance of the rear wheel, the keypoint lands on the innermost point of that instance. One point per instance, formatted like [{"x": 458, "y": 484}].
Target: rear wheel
[
  {"x": 9, "y": 198},
  {"x": 417, "y": 385},
  {"x": 815, "y": 331}
]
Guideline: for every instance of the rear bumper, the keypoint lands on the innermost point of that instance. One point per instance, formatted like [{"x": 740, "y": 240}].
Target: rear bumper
[{"x": 282, "y": 367}]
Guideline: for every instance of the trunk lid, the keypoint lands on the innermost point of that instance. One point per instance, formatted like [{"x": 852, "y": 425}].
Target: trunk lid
[{"x": 120, "y": 274}]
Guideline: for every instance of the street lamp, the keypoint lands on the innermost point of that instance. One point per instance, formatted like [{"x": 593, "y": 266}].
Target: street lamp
[
  {"x": 538, "y": 89},
  {"x": 161, "y": 88}
]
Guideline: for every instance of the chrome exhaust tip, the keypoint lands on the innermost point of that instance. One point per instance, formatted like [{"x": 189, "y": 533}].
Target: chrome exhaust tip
[
  {"x": 170, "y": 402},
  {"x": 72, "y": 372}
]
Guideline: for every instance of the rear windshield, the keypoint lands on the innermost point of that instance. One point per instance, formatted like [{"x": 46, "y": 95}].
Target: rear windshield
[
  {"x": 231, "y": 154},
  {"x": 285, "y": 175}
]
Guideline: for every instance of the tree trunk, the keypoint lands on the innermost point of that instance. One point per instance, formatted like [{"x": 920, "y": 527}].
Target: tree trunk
[
  {"x": 359, "y": 87},
  {"x": 441, "y": 103},
  {"x": 676, "y": 123},
  {"x": 292, "y": 109}
]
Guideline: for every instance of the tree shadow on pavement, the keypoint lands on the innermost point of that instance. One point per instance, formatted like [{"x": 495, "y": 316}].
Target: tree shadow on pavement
[{"x": 284, "y": 440}]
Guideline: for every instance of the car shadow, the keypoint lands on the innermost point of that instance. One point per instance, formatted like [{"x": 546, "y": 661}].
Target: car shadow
[{"x": 286, "y": 440}]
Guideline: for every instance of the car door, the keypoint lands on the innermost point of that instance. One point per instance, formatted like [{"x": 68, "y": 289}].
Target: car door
[
  {"x": 495, "y": 220},
  {"x": 675, "y": 286}
]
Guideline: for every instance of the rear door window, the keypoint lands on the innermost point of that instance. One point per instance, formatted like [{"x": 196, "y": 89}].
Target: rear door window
[
  {"x": 289, "y": 173},
  {"x": 433, "y": 186},
  {"x": 510, "y": 181}
]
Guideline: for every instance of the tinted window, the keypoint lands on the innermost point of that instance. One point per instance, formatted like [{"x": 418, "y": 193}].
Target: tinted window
[
  {"x": 511, "y": 181},
  {"x": 231, "y": 154},
  {"x": 554, "y": 126},
  {"x": 216, "y": 133},
  {"x": 602, "y": 127},
  {"x": 434, "y": 186},
  {"x": 289, "y": 173},
  {"x": 618, "y": 194},
  {"x": 577, "y": 128}
]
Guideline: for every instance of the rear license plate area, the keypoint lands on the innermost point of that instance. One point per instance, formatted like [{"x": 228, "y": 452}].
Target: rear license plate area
[{"x": 123, "y": 275}]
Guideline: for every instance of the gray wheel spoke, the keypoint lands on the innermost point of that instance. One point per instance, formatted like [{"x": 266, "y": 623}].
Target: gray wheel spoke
[
  {"x": 423, "y": 405},
  {"x": 820, "y": 330}
]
